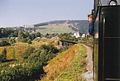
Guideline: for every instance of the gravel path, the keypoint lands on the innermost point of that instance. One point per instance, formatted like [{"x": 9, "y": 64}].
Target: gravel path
[{"x": 89, "y": 74}]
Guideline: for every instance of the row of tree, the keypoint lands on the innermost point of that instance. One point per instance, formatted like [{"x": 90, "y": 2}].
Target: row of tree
[
  {"x": 11, "y": 32},
  {"x": 8, "y": 32},
  {"x": 24, "y": 36}
]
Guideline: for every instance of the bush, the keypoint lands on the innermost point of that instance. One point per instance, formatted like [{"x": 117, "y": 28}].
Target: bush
[
  {"x": 4, "y": 43},
  {"x": 20, "y": 73},
  {"x": 12, "y": 41},
  {"x": 28, "y": 51},
  {"x": 3, "y": 56},
  {"x": 49, "y": 48}
]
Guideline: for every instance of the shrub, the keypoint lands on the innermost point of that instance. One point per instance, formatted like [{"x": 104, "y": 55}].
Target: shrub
[
  {"x": 12, "y": 41},
  {"x": 4, "y": 43},
  {"x": 49, "y": 48},
  {"x": 3, "y": 56},
  {"x": 28, "y": 51}
]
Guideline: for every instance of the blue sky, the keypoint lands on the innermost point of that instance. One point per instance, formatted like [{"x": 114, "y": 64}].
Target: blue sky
[{"x": 19, "y": 12}]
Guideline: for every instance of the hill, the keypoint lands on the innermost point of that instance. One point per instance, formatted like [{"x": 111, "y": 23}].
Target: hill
[
  {"x": 63, "y": 26},
  {"x": 55, "y": 28}
]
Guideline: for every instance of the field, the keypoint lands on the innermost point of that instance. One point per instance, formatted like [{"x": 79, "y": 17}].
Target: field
[
  {"x": 67, "y": 66},
  {"x": 61, "y": 28},
  {"x": 15, "y": 51},
  {"x": 40, "y": 41}
]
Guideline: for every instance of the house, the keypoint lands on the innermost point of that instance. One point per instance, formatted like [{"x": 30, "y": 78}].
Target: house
[
  {"x": 96, "y": 35},
  {"x": 77, "y": 34},
  {"x": 84, "y": 35}
]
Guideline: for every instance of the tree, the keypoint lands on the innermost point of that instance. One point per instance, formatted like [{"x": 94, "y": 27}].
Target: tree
[
  {"x": 8, "y": 32},
  {"x": 12, "y": 41},
  {"x": 3, "y": 55},
  {"x": 29, "y": 41},
  {"x": 50, "y": 48},
  {"x": 38, "y": 34},
  {"x": 28, "y": 52},
  {"x": 32, "y": 36},
  {"x": 21, "y": 35},
  {"x": 4, "y": 43}
]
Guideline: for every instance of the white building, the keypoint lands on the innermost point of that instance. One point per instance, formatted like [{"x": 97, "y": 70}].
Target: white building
[
  {"x": 83, "y": 35},
  {"x": 96, "y": 35},
  {"x": 77, "y": 34}
]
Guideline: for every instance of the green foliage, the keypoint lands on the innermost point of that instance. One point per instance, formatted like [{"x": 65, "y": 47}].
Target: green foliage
[
  {"x": 43, "y": 54},
  {"x": 76, "y": 68},
  {"x": 49, "y": 48},
  {"x": 12, "y": 41},
  {"x": 31, "y": 68},
  {"x": 87, "y": 41},
  {"x": 8, "y": 32},
  {"x": 4, "y": 43},
  {"x": 14, "y": 33},
  {"x": 28, "y": 51},
  {"x": 26, "y": 37},
  {"x": 3, "y": 56},
  {"x": 21, "y": 73},
  {"x": 21, "y": 35},
  {"x": 37, "y": 57},
  {"x": 26, "y": 40},
  {"x": 67, "y": 36},
  {"x": 29, "y": 41},
  {"x": 38, "y": 34}
]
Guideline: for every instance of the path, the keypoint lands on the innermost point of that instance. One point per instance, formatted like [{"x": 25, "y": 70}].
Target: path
[{"x": 89, "y": 74}]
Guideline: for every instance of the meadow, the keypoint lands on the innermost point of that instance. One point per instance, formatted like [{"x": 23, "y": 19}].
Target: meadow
[{"x": 55, "y": 28}]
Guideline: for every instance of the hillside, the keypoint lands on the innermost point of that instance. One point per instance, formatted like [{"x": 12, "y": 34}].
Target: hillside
[
  {"x": 67, "y": 66},
  {"x": 61, "y": 28},
  {"x": 66, "y": 26}
]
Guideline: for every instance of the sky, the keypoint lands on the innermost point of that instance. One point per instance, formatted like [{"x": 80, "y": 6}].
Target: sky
[{"x": 28, "y": 12}]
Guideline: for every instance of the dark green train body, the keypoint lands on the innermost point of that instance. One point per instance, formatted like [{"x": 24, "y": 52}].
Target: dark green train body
[{"x": 107, "y": 46}]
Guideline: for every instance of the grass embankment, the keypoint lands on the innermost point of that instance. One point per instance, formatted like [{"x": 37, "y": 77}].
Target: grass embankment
[{"x": 67, "y": 66}]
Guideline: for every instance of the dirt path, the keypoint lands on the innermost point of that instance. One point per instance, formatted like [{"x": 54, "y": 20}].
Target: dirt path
[{"x": 89, "y": 74}]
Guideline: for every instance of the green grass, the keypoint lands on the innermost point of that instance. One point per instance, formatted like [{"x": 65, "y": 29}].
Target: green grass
[
  {"x": 96, "y": 59},
  {"x": 76, "y": 68},
  {"x": 59, "y": 63},
  {"x": 63, "y": 28}
]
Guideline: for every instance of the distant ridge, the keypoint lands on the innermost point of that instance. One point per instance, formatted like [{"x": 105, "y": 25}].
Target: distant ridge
[{"x": 76, "y": 25}]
